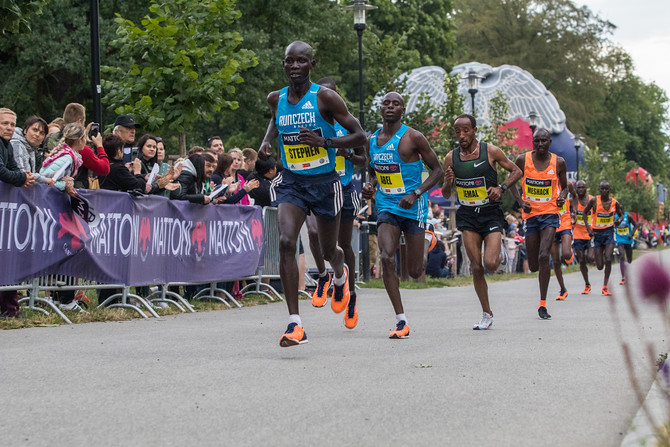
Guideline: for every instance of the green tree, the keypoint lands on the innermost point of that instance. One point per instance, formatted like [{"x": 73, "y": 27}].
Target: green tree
[
  {"x": 636, "y": 122},
  {"x": 561, "y": 44},
  {"x": 15, "y": 16},
  {"x": 185, "y": 64},
  {"x": 49, "y": 67},
  {"x": 639, "y": 199}
]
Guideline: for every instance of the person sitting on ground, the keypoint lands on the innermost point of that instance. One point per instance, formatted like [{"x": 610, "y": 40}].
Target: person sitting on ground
[
  {"x": 26, "y": 145},
  {"x": 436, "y": 266}
]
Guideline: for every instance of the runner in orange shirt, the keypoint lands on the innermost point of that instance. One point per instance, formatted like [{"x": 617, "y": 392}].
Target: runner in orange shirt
[
  {"x": 581, "y": 231},
  {"x": 604, "y": 207},
  {"x": 545, "y": 188},
  {"x": 563, "y": 245}
]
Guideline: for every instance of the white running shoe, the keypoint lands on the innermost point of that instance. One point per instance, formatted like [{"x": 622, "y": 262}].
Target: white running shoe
[
  {"x": 485, "y": 323},
  {"x": 71, "y": 306}
]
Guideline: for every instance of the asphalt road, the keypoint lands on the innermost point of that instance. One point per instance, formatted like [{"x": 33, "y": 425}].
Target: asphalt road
[{"x": 220, "y": 378}]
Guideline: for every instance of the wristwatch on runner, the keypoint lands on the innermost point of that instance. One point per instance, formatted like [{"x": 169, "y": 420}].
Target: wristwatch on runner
[
  {"x": 417, "y": 192},
  {"x": 328, "y": 143},
  {"x": 503, "y": 187}
]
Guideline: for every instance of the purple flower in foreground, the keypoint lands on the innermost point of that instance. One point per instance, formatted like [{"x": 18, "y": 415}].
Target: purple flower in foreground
[
  {"x": 665, "y": 372},
  {"x": 654, "y": 280}
]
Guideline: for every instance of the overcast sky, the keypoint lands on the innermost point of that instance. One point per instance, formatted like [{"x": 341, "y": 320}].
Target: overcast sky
[{"x": 643, "y": 30}]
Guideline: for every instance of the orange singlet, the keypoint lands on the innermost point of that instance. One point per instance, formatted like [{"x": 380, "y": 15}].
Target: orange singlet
[
  {"x": 579, "y": 229},
  {"x": 602, "y": 218},
  {"x": 564, "y": 215},
  {"x": 540, "y": 188}
]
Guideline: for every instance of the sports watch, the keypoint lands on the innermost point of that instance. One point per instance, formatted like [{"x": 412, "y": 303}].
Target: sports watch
[
  {"x": 417, "y": 192},
  {"x": 328, "y": 143},
  {"x": 503, "y": 187}
]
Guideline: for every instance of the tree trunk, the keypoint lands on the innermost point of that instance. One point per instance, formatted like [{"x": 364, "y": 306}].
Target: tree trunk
[{"x": 182, "y": 144}]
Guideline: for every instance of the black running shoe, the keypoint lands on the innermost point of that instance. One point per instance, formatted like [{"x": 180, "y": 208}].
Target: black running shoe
[{"x": 542, "y": 312}]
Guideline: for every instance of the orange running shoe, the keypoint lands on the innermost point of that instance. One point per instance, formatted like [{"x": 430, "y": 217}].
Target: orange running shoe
[
  {"x": 340, "y": 298},
  {"x": 351, "y": 315},
  {"x": 606, "y": 292},
  {"x": 622, "y": 282},
  {"x": 587, "y": 289},
  {"x": 320, "y": 295},
  {"x": 401, "y": 330},
  {"x": 430, "y": 236},
  {"x": 563, "y": 294},
  {"x": 294, "y": 335}
]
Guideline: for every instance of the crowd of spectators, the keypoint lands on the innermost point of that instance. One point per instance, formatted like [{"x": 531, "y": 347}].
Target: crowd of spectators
[{"x": 69, "y": 154}]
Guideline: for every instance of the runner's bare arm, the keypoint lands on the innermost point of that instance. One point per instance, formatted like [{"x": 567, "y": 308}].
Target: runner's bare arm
[
  {"x": 515, "y": 174},
  {"x": 331, "y": 105},
  {"x": 271, "y": 133},
  {"x": 422, "y": 149},
  {"x": 448, "y": 175},
  {"x": 521, "y": 164},
  {"x": 369, "y": 187},
  {"x": 562, "y": 180}
]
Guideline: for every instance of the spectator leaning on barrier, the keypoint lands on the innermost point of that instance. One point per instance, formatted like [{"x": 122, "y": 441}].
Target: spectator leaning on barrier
[
  {"x": 26, "y": 146},
  {"x": 98, "y": 164},
  {"x": 265, "y": 171},
  {"x": 9, "y": 170},
  {"x": 124, "y": 128},
  {"x": 66, "y": 157},
  {"x": 120, "y": 178},
  {"x": 191, "y": 179},
  {"x": 10, "y": 173}
]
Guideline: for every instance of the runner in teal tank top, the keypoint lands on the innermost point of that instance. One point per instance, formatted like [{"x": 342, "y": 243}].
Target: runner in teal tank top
[
  {"x": 396, "y": 155},
  {"x": 624, "y": 240},
  {"x": 303, "y": 118},
  {"x": 471, "y": 169}
]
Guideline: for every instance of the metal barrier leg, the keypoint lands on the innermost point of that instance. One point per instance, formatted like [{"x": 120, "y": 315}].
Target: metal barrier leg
[
  {"x": 212, "y": 289},
  {"x": 34, "y": 298},
  {"x": 124, "y": 304},
  {"x": 179, "y": 302}
]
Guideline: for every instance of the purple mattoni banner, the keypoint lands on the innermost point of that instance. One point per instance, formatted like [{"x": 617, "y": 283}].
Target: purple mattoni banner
[{"x": 133, "y": 241}]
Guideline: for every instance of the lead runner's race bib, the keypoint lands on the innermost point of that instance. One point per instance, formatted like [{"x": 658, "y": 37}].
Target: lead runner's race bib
[
  {"x": 604, "y": 219},
  {"x": 472, "y": 191},
  {"x": 339, "y": 166},
  {"x": 301, "y": 156},
  {"x": 389, "y": 178},
  {"x": 538, "y": 190}
]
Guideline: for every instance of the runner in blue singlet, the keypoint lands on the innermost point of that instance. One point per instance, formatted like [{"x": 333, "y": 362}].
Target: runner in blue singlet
[
  {"x": 303, "y": 119},
  {"x": 396, "y": 155}
]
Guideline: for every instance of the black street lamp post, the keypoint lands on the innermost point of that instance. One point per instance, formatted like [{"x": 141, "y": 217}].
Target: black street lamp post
[
  {"x": 95, "y": 62},
  {"x": 473, "y": 88},
  {"x": 359, "y": 7},
  {"x": 577, "y": 137}
]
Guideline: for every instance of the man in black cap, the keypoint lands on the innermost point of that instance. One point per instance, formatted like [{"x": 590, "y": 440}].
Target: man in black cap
[{"x": 124, "y": 128}]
